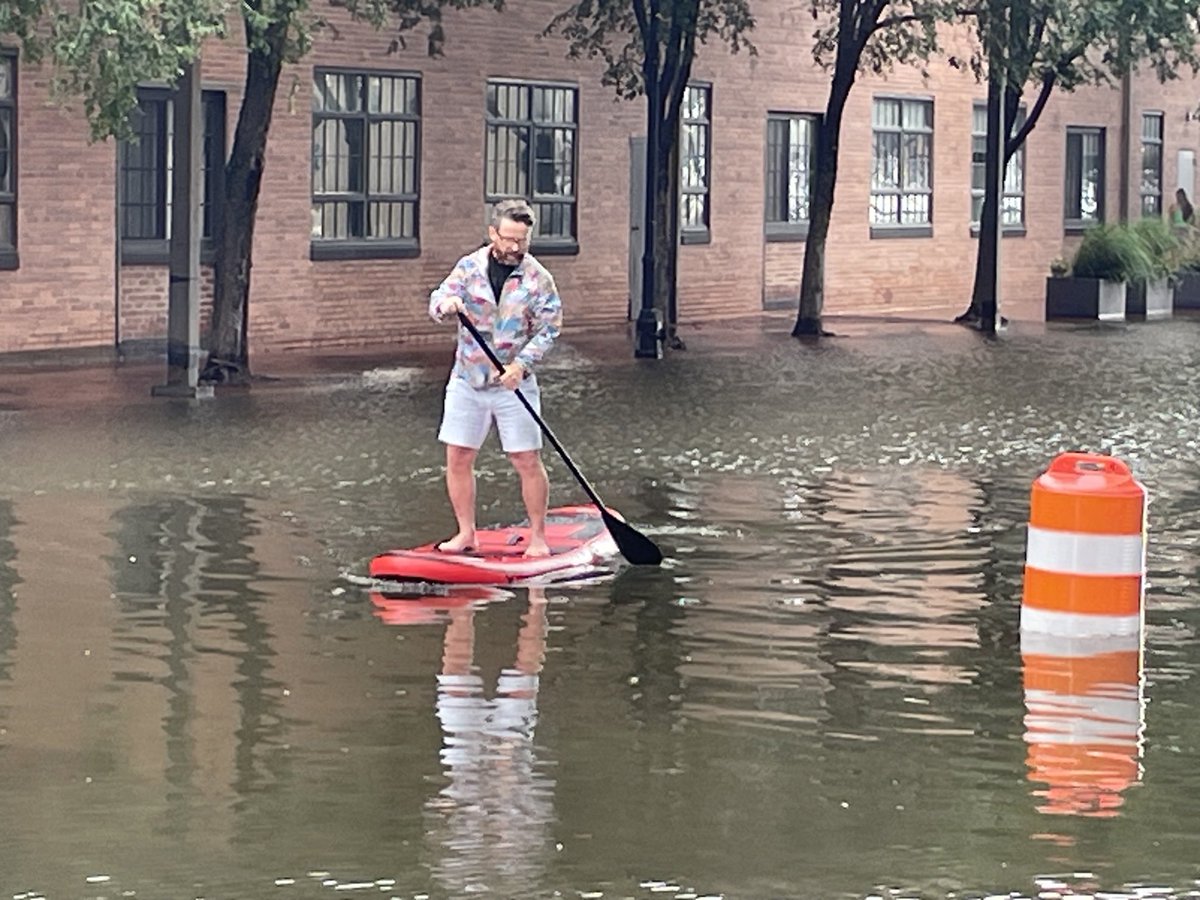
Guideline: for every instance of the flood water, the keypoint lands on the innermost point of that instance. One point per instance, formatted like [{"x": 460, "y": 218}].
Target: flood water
[{"x": 822, "y": 693}]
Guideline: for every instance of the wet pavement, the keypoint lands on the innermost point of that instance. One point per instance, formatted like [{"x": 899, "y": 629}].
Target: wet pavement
[{"x": 822, "y": 694}]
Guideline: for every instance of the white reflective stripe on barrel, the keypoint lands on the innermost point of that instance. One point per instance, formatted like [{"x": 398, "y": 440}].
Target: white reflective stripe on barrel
[
  {"x": 1057, "y": 719},
  {"x": 1077, "y": 624},
  {"x": 1072, "y": 647},
  {"x": 1075, "y": 553}
]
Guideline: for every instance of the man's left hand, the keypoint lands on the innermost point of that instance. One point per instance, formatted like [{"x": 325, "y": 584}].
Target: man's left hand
[{"x": 513, "y": 374}]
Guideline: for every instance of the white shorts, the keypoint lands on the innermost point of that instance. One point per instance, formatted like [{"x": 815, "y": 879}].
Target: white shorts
[{"x": 468, "y": 413}]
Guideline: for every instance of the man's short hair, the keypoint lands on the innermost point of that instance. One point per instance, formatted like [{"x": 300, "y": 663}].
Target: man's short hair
[{"x": 515, "y": 210}]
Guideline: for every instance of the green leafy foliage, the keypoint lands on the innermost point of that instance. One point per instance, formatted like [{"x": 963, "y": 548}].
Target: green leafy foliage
[
  {"x": 409, "y": 15},
  {"x": 1163, "y": 245},
  {"x": 1147, "y": 249},
  {"x": 102, "y": 49},
  {"x": 877, "y": 34},
  {"x": 1114, "y": 253},
  {"x": 21, "y": 18},
  {"x": 1065, "y": 44},
  {"x": 278, "y": 27},
  {"x": 614, "y": 31}
]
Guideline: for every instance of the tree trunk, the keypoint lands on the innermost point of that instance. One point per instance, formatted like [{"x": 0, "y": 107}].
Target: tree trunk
[
  {"x": 664, "y": 237},
  {"x": 985, "y": 261},
  {"x": 228, "y": 353},
  {"x": 812, "y": 282},
  {"x": 983, "y": 293},
  {"x": 989, "y": 216},
  {"x": 671, "y": 262},
  {"x": 664, "y": 89}
]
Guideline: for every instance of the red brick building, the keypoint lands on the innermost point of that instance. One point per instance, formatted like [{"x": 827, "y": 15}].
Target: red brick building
[{"x": 380, "y": 165}]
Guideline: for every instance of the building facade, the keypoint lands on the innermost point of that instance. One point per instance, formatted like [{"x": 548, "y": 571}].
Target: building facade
[{"x": 381, "y": 163}]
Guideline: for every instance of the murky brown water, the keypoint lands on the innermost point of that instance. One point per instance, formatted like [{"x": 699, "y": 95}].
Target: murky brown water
[{"x": 821, "y": 695}]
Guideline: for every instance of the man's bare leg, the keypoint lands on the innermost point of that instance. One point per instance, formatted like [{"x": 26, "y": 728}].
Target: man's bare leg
[
  {"x": 460, "y": 485},
  {"x": 535, "y": 491}
]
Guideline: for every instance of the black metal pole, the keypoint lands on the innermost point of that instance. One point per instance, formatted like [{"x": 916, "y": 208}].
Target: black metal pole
[{"x": 648, "y": 345}]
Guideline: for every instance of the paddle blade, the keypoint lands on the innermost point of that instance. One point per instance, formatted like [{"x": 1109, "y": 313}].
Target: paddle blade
[{"x": 634, "y": 546}]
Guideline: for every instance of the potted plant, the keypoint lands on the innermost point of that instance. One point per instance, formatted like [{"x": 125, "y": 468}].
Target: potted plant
[
  {"x": 1187, "y": 272},
  {"x": 1151, "y": 295},
  {"x": 1107, "y": 259}
]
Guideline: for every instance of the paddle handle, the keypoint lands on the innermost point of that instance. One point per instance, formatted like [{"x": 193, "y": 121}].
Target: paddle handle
[{"x": 566, "y": 458}]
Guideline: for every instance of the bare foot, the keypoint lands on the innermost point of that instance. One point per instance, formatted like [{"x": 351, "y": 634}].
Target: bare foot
[
  {"x": 462, "y": 542},
  {"x": 537, "y": 548}
]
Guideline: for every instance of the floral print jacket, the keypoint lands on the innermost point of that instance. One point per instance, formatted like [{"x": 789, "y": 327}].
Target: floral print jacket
[{"x": 520, "y": 327}]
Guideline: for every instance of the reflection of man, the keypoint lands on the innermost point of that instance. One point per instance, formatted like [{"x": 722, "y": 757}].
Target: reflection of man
[{"x": 492, "y": 818}]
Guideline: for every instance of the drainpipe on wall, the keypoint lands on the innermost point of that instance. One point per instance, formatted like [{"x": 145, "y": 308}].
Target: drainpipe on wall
[
  {"x": 1126, "y": 143},
  {"x": 117, "y": 247}
]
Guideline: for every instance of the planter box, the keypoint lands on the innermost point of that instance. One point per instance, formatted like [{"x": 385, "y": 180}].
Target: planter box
[
  {"x": 1187, "y": 291},
  {"x": 1085, "y": 298},
  {"x": 1150, "y": 299}
]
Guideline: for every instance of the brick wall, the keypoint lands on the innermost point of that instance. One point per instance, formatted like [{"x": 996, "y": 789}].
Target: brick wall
[
  {"x": 64, "y": 293},
  {"x": 143, "y": 307}
]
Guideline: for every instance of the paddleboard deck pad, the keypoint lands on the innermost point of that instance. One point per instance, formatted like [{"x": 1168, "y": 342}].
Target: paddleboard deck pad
[{"x": 580, "y": 547}]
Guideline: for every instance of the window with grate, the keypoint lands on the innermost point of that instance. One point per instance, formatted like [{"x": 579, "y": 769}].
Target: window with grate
[{"x": 366, "y": 134}]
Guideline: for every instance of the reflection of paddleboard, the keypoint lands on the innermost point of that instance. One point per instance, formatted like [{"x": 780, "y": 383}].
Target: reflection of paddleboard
[
  {"x": 579, "y": 545},
  {"x": 423, "y": 609}
]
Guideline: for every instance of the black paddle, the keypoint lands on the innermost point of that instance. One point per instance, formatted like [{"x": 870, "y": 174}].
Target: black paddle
[{"x": 634, "y": 546}]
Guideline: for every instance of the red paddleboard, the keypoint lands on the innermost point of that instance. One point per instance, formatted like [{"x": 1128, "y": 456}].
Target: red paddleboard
[{"x": 579, "y": 546}]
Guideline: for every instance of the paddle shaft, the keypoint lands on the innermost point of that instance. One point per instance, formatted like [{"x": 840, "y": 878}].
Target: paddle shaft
[
  {"x": 566, "y": 458},
  {"x": 632, "y": 544}
]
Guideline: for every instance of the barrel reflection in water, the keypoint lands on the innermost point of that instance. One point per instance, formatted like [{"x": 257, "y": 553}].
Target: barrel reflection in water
[{"x": 1083, "y": 720}]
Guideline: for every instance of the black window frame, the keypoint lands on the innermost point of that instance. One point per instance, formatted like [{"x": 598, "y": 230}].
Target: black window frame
[
  {"x": 1149, "y": 141},
  {"x": 494, "y": 120},
  {"x": 1075, "y": 134},
  {"x": 9, "y": 254},
  {"x": 362, "y": 247},
  {"x": 901, "y": 229},
  {"x": 155, "y": 249},
  {"x": 691, "y": 233},
  {"x": 778, "y": 172},
  {"x": 1011, "y": 229}
]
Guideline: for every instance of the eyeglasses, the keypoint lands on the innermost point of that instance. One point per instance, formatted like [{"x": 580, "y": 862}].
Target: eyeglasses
[{"x": 514, "y": 240}]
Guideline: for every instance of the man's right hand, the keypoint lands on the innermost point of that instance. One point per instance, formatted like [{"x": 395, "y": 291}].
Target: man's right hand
[{"x": 451, "y": 305}]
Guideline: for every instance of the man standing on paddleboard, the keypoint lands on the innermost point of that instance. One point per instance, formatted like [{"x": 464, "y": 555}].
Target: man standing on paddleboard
[{"x": 513, "y": 303}]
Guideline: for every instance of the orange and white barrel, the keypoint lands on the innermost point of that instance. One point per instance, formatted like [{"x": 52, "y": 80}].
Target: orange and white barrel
[
  {"x": 1084, "y": 720},
  {"x": 1085, "y": 559}
]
